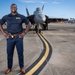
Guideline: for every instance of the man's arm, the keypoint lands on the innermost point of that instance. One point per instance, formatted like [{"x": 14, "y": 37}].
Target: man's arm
[
  {"x": 27, "y": 29},
  {"x": 3, "y": 32}
]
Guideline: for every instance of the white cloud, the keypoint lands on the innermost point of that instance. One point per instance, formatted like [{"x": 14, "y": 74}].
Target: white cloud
[
  {"x": 27, "y": 1},
  {"x": 42, "y": 1},
  {"x": 34, "y": 1},
  {"x": 56, "y": 2}
]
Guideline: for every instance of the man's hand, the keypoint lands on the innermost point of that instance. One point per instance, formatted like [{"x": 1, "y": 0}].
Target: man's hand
[
  {"x": 6, "y": 35},
  {"x": 3, "y": 32},
  {"x": 22, "y": 35}
]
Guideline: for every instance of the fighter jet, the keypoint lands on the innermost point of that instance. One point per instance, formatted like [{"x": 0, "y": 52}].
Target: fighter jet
[{"x": 38, "y": 19}]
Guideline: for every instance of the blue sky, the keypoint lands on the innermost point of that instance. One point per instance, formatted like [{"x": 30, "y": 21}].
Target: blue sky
[{"x": 52, "y": 8}]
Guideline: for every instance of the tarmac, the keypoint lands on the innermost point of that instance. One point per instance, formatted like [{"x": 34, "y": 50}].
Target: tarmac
[{"x": 61, "y": 37}]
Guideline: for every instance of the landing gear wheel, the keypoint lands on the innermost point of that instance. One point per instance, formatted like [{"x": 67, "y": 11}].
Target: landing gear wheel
[{"x": 39, "y": 31}]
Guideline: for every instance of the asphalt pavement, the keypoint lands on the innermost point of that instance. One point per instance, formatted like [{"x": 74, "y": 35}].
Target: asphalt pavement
[{"x": 62, "y": 62}]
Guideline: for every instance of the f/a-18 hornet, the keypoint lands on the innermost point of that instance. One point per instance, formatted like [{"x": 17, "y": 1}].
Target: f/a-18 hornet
[{"x": 38, "y": 19}]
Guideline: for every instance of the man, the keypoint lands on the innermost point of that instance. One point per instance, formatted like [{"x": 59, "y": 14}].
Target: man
[{"x": 14, "y": 36}]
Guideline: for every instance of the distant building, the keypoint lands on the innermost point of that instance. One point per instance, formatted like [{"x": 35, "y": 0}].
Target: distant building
[{"x": 58, "y": 20}]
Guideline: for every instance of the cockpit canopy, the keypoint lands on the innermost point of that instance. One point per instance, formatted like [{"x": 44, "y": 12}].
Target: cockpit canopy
[{"x": 38, "y": 9}]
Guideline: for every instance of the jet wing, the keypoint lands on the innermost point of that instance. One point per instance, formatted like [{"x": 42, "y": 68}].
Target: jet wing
[
  {"x": 31, "y": 19},
  {"x": 47, "y": 19}
]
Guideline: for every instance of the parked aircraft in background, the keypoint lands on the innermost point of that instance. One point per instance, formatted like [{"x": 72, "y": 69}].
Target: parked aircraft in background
[{"x": 72, "y": 21}]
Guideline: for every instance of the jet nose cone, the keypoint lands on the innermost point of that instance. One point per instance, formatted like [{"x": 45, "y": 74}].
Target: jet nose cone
[
  {"x": 39, "y": 18},
  {"x": 42, "y": 17}
]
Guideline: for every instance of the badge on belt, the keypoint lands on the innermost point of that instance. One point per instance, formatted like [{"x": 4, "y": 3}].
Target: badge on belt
[{"x": 12, "y": 36}]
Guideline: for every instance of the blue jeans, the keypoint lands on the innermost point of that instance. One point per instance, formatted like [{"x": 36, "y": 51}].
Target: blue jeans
[{"x": 11, "y": 43}]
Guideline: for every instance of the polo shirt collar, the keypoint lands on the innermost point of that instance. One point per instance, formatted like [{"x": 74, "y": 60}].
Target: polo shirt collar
[{"x": 13, "y": 15}]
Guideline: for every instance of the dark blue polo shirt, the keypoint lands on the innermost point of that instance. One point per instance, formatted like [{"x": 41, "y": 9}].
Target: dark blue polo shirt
[{"x": 14, "y": 23}]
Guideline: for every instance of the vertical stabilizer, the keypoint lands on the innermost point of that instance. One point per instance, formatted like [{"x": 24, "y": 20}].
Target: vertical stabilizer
[{"x": 27, "y": 12}]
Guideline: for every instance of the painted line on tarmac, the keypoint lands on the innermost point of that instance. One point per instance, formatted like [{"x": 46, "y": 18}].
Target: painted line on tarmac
[{"x": 43, "y": 59}]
